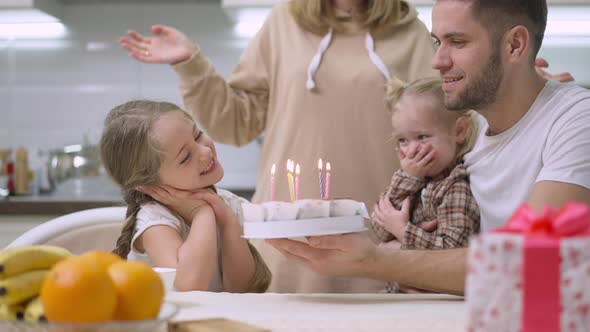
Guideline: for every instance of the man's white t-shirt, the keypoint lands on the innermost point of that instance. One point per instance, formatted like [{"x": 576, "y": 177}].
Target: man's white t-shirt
[
  {"x": 550, "y": 143},
  {"x": 153, "y": 214}
]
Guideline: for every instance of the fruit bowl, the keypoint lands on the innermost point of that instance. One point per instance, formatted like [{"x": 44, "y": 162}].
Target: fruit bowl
[{"x": 167, "y": 311}]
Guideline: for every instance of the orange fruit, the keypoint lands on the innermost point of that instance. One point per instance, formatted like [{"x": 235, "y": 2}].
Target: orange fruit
[
  {"x": 103, "y": 257},
  {"x": 78, "y": 290},
  {"x": 140, "y": 291}
]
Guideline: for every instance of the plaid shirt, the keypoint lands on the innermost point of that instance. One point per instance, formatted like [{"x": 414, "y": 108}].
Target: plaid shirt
[{"x": 446, "y": 198}]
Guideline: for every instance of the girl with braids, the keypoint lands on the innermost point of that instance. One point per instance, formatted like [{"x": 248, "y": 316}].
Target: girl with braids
[{"x": 176, "y": 218}]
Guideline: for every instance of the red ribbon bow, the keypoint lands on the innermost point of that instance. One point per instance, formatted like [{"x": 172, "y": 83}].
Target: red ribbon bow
[
  {"x": 571, "y": 220},
  {"x": 541, "y": 257}
]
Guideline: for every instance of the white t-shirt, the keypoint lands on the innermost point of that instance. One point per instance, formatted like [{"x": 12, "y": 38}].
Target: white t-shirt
[
  {"x": 550, "y": 143},
  {"x": 154, "y": 214}
]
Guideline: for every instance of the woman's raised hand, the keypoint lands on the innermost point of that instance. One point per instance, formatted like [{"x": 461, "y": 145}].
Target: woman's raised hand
[{"x": 167, "y": 45}]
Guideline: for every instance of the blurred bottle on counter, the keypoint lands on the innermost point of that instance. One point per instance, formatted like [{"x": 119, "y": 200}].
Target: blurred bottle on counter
[
  {"x": 21, "y": 172},
  {"x": 42, "y": 172},
  {"x": 4, "y": 158},
  {"x": 10, "y": 182}
]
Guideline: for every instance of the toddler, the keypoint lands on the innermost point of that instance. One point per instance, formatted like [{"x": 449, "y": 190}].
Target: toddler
[{"x": 432, "y": 184}]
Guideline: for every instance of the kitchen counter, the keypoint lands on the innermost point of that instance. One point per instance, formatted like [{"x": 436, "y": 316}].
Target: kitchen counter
[
  {"x": 69, "y": 196},
  {"x": 74, "y": 195}
]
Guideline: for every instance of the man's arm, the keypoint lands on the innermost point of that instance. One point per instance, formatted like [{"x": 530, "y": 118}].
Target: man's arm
[
  {"x": 355, "y": 255},
  {"x": 556, "y": 194},
  {"x": 441, "y": 271}
]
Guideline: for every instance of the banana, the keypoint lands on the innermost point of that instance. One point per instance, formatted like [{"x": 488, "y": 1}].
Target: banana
[
  {"x": 21, "y": 287},
  {"x": 34, "y": 311},
  {"x": 14, "y": 261},
  {"x": 12, "y": 312}
]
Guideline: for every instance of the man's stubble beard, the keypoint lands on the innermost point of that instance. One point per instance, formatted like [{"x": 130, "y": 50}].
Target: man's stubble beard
[{"x": 483, "y": 89}]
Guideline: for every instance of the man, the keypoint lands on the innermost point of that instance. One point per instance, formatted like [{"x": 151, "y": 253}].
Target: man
[{"x": 534, "y": 148}]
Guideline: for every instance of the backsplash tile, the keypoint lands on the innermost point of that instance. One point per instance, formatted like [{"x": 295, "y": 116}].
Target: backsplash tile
[{"x": 58, "y": 92}]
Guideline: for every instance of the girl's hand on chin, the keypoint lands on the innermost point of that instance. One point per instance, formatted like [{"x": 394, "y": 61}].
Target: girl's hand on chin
[
  {"x": 179, "y": 201},
  {"x": 224, "y": 215}
]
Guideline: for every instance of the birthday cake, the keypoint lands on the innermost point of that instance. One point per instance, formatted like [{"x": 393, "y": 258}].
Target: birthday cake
[{"x": 305, "y": 217}]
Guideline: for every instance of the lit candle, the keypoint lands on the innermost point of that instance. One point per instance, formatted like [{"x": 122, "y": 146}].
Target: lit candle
[
  {"x": 290, "y": 179},
  {"x": 297, "y": 171},
  {"x": 328, "y": 175},
  {"x": 273, "y": 169},
  {"x": 321, "y": 176}
]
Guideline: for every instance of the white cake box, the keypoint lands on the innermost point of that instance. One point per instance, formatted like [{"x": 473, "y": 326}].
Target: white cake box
[
  {"x": 532, "y": 275},
  {"x": 303, "y": 227},
  {"x": 272, "y": 220}
]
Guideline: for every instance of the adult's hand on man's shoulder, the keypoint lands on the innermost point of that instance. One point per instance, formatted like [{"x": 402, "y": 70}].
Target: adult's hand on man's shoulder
[{"x": 541, "y": 63}]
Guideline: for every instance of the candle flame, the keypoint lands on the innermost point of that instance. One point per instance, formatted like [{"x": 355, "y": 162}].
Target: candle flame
[
  {"x": 288, "y": 164},
  {"x": 328, "y": 168},
  {"x": 273, "y": 169},
  {"x": 297, "y": 170},
  {"x": 320, "y": 164}
]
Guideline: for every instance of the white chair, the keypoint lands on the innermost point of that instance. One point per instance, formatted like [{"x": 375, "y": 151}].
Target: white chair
[{"x": 93, "y": 229}]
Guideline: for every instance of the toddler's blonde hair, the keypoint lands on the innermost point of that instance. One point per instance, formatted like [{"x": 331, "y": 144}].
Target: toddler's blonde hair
[{"x": 432, "y": 87}]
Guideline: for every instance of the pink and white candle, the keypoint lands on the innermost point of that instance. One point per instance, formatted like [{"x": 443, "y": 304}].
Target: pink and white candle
[
  {"x": 273, "y": 169},
  {"x": 321, "y": 177},
  {"x": 328, "y": 176}
]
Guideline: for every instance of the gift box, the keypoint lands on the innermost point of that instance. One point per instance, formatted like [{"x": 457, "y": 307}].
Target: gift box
[{"x": 533, "y": 274}]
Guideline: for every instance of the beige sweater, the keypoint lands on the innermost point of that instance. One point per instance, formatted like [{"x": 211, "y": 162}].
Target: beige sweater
[{"x": 343, "y": 121}]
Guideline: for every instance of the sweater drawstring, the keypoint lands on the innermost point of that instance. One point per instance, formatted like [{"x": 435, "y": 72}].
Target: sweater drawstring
[
  {"x": 370, "y": 45},
  {"x": 317, "y": 58}
]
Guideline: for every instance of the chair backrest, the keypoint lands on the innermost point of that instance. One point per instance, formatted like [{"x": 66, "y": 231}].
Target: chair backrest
[{"x": 93, "y": 229}]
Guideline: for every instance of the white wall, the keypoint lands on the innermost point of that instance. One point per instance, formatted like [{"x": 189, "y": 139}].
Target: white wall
[{"x": 52, "y": 93}]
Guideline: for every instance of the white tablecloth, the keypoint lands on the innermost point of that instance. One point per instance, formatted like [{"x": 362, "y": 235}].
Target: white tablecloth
[{"x": 327, "y": 312}]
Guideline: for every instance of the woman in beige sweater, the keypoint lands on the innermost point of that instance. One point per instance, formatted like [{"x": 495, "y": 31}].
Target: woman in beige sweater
[{"x": 313, "y": 82}]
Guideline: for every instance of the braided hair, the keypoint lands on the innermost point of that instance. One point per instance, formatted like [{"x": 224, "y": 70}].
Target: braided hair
[{"x": 132, "y": 158}]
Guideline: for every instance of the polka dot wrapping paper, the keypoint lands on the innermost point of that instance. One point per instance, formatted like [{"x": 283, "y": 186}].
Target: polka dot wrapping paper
[{"x": 533, "y": 274}]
